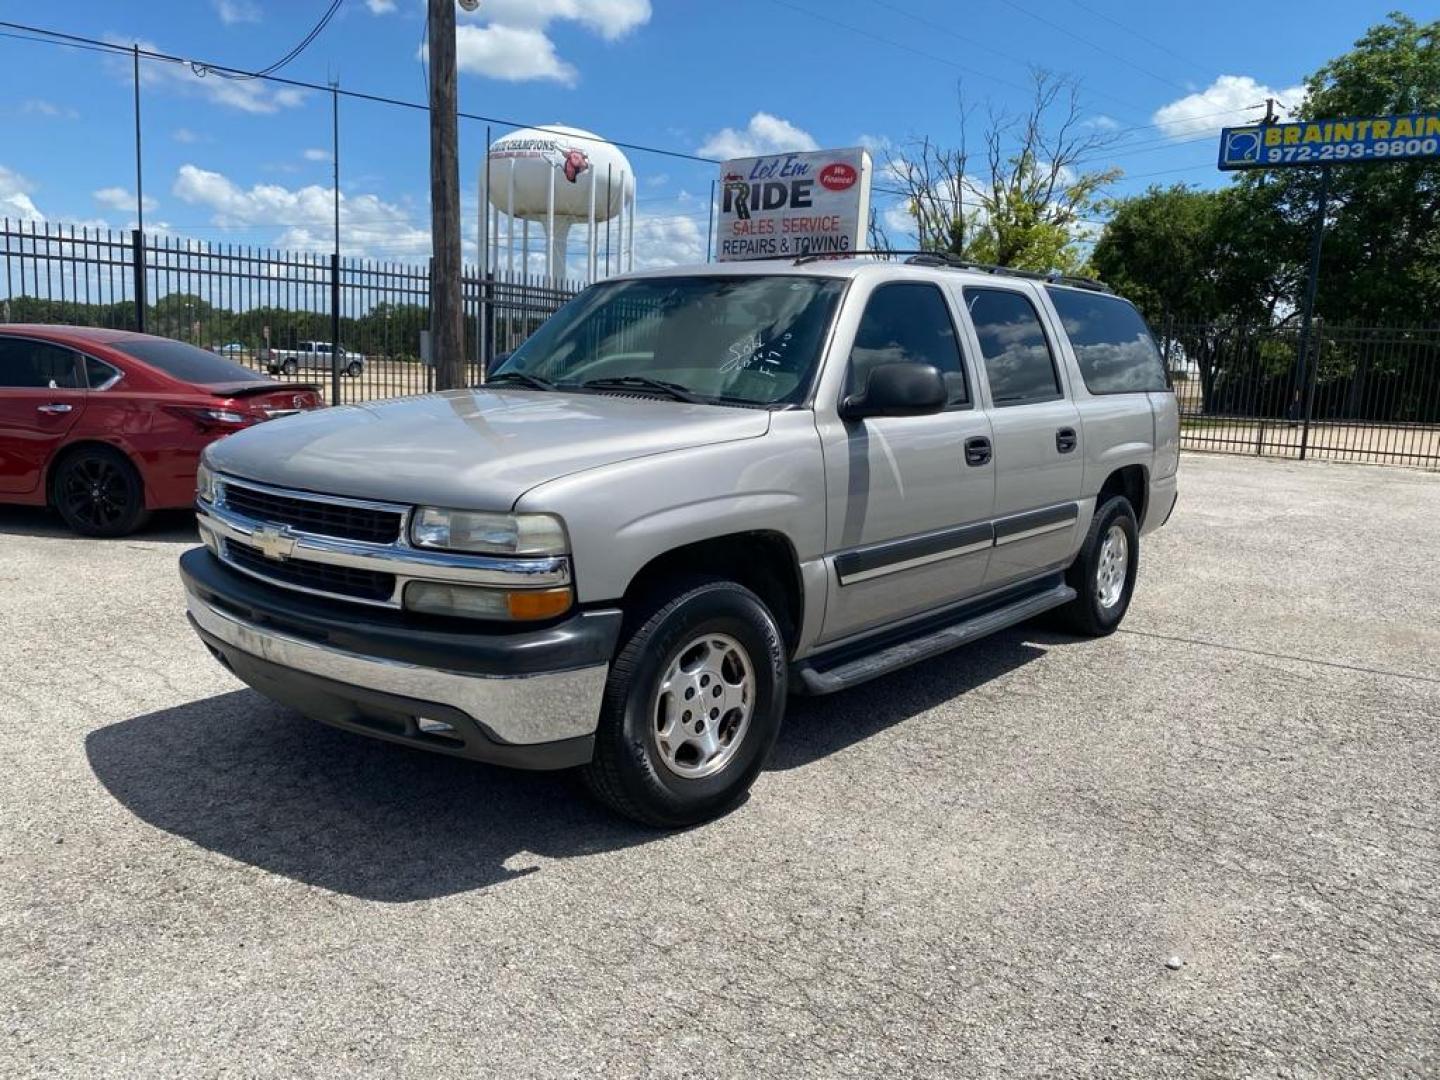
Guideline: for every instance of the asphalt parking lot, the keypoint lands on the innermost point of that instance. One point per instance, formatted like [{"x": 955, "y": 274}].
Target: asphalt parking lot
[{"x": 980, "y": 868}]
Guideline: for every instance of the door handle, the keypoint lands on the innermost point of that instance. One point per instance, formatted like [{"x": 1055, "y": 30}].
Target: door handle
[
  {"x": 977, "y": 450},
  {"x": 1065, "y": 440},
  {"x": 55, "y": 409}
]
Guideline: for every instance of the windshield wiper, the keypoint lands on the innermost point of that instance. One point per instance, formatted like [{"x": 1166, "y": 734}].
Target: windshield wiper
[
  {"x": 534, "y": 382},
  {"x": 644, "y": 382}
]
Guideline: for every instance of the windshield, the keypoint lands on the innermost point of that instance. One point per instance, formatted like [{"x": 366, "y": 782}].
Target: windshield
[
  {"x": 185, "y": 362},
  {"x": 741, "y": 340}
]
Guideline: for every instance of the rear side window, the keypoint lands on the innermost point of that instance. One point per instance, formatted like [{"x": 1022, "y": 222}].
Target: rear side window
[
  {"x": 185, "y": 362},
  {"x": 1113, "y": 345},
  {"x": 1017, "y": 355},
  {"x": 37, "y": 365},
  {"x": 908, "y": 323},
  {"x": 99, "y": 374}
]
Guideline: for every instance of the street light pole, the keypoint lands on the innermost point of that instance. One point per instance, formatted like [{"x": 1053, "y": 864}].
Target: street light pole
[{"x": 447, "y": 312}]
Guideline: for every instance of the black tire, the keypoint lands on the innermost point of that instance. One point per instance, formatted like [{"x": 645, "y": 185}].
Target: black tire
[
  {"x": 98, "y": 492},
  {"x": 290, "y": 367},
  {"x": 629, "y": 772},
  {"x": 1087, "y": 614},
  {"x": 354, "y": 369}
]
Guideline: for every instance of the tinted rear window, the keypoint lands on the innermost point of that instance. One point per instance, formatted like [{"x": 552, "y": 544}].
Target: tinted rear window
[
  {"x": 1117, "y": 355},
  {"x": 186, "y": 362}
]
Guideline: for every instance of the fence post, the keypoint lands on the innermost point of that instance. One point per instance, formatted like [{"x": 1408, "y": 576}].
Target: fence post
[
  {"x": 137, "y": 252},
  {"x": 1312, "y": 376},
  {"x": 335, "y": 355}
]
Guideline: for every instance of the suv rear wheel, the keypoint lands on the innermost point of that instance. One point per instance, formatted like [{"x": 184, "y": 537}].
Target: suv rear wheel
[
  {"x": 1103, "y": 574},
  {"x": 692, "y": 708}
]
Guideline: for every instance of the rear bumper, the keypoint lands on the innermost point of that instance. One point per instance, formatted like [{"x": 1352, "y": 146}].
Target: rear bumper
[{"x": 529, "y": 699}]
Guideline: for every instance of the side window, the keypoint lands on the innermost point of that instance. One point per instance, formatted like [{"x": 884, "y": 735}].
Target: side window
[
  {"x": 1017, "y": 356},
  {"x": 37, "y": 365},
  {"x": 908, "y": 323},
  {"x": 99, "y": 375},
  {"x": 1113, "y": 345}
]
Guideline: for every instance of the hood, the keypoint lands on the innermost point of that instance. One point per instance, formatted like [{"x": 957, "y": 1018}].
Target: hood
[{"x": 471, "y": 449}]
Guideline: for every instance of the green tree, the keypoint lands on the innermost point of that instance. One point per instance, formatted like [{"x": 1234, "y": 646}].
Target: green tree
[
  {"x": 1381, "y": 260},
  {"x": 1025, "y": 202}
]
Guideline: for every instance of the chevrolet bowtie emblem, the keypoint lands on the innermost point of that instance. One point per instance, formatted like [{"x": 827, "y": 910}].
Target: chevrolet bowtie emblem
[{"x": 277, "y": 544}]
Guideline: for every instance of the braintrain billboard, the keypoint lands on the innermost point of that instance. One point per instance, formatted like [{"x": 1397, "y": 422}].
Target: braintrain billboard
[
  {"x": 1322, "y": 142},
  {"x": 814, "y": 203}
]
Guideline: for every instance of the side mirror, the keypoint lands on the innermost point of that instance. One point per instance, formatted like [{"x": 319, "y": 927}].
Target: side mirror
[{"x": 898, "y": 390}]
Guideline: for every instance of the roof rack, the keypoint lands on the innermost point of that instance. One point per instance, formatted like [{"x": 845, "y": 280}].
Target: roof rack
[
  {"x": 946, "y": 260},
  {"x": 1053, "y": 277}
]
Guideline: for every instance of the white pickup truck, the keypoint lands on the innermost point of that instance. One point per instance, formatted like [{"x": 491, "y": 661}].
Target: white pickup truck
[{"x": 314, "y": 356}]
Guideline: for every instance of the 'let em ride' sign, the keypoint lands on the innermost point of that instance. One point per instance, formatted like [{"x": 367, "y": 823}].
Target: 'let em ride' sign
[{"x": 814, "y": 203}]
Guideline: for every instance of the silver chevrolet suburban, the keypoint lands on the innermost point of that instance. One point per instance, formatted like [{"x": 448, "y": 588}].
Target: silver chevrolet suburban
[{"x": 689, "y": 495}]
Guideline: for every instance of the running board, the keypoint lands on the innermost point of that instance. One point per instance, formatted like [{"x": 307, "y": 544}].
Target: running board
[{"x": 816, "y": 677}]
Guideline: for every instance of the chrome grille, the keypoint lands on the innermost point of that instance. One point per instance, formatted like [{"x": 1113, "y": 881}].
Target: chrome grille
[
  {"x": 316, "y": 516},
  {"x": 341, "y": 581}
]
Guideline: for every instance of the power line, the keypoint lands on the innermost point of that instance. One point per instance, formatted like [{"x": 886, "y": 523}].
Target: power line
[
  {"x": 40, "y": 35},
  {"x": 315, "y": 31},
  {"x": 1136, "y": 34},
  {"x": 932, "y": 24},
  {"x": 897, "y": 45},
  {"x": 1098, "y": 48},
  {"x": 55, "y": 37}
]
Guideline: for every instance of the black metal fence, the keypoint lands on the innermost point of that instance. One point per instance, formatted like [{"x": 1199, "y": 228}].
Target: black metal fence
[
  {"x": 259, "y": 305},
  {"x": 1362, "y": 394},
  {"x": 1366, "y": 394}
]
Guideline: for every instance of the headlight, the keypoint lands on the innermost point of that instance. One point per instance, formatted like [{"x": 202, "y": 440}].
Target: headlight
[
  {"x": 204, "y": 485},
  {"x": 489, "y": 534},
  {"x": 474, "y": 602}
]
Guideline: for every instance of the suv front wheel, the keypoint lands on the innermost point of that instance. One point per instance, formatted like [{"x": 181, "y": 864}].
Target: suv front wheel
[{"x": 692, "y": 708}]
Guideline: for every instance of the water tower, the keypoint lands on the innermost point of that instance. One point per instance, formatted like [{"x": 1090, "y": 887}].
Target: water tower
[{"x": 558, "y": 177}]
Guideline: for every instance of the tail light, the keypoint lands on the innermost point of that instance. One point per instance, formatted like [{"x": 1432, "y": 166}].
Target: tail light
[{"x": 213, "y": 419}]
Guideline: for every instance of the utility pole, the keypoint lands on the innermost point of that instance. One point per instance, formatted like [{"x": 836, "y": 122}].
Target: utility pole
[{"x": 446, "y": 305}]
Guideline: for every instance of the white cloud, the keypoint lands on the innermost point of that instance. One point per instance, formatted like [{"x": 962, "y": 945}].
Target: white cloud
[
  {"x": 511, "y": 53},
  {"x": 117, "y": 198},
  {"x": 508, "y": 39},
  {"x": 184, "y": 135},
  {"x": 662, "y": 241},
  {"x": 1101, "y": 122},
  {"x": 315, "y": 154},
  {"x": 236, "y": 11},
  {"x": 246, "y": 95},
  {"x": 1223, "y": 103},
  {"x": 380, "y": 7},
  {"x": 305, "y": 215},
  {"x": 611, "y": 19},
  {"x": 764, "y": 134},
  {"x": 48, "y": 109},
  {"x": 15, "y": 197}
]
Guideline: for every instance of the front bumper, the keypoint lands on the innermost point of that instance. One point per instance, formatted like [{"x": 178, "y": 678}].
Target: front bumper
[{"x": 528, "y": 699}]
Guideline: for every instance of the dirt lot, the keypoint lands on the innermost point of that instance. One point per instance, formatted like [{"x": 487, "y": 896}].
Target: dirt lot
[{"x": 979, "y": 868}]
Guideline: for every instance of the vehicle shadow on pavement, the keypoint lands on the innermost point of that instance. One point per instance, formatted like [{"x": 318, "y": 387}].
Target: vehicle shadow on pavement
[
  {"x": 166, "y": 526},
  {"x": 817, "y": 727},
  {"x": 249, "y": 780}
]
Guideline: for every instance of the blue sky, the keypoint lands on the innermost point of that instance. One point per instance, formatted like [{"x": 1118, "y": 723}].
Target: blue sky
[{"x": 250, "y": 163}]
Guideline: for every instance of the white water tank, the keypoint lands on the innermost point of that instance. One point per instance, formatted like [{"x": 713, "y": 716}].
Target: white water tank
[{"x": 539, "y": 173}]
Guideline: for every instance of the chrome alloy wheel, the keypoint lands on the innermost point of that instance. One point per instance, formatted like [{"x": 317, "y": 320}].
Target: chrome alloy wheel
[
  {"x": 1113, "y": 567},
  {"x": 703, "y": 706}
]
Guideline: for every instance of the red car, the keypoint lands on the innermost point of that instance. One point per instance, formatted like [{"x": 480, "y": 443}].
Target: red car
[{"x": 107, "y": 425}]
